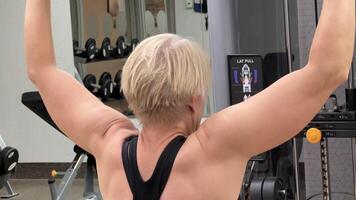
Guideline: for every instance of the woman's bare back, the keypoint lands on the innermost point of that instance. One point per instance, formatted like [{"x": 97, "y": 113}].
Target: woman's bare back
[{"x": 195, "y": 175}]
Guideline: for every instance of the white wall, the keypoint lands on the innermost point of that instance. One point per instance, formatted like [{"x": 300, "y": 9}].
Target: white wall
[
  {"x": 191, "y": 25},
  {"x": 36, "y": 141},
  {"x": 222, "y": 37}
]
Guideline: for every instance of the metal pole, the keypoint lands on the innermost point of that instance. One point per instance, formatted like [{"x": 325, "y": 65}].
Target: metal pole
[
  {"x": 316, "y": 12},
  {"x": 296, "y": 169},
  {"x": 69, "y": 178},
  {"x": 351, "y": 85},
  {"x": 289, "y": 53},
  {"x": 325, "y": 168},
  {"x": 287, "y": 35}
]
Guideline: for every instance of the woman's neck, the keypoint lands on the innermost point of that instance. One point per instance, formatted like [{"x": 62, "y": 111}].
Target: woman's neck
[{"x": 154, "y": 136}]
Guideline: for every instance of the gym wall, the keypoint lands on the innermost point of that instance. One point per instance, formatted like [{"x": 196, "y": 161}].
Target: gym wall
[
  {"x": 195, "y": 28},
  {"x": 35, "y": 140}
]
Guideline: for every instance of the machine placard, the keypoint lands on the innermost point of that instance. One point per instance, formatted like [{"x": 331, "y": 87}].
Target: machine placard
[{"x": 245, "y": 76}]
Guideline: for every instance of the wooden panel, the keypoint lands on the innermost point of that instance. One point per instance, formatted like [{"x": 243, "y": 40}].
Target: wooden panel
[{"x": 98, "y": 9}]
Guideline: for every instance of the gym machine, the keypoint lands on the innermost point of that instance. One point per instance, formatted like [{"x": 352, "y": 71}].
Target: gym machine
[
  {"x": 333, "y": 122},
  {"x": 9, "y": 157},
  {"x": 271, "y": 175},
  {"x": 33, "y": 101}
]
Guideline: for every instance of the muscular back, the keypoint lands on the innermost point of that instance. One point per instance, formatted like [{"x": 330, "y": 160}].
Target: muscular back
[{"x": 195, "y": 175}]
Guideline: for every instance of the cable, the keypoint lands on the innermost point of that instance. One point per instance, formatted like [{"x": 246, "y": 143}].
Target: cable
[
  {"x": 315, "y": 195},
  {"x": 316, "y": 12}
]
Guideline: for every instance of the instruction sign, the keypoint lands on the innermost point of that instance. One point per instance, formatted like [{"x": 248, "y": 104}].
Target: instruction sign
[{"x": 245, "y": 76}]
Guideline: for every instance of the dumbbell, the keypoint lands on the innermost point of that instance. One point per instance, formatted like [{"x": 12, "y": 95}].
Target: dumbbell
[
  {"x": 134, "y": 43},
  {"x": 121, "y": 48},
  {"x": 9, "y": 158},
  {"x": 104, "y": 77},
  {"x": 88, "y": 52},
  {"x": 117, "y": 93},
  {"x": 104, "y": 89},
  {"x": 106, "y": 49}
]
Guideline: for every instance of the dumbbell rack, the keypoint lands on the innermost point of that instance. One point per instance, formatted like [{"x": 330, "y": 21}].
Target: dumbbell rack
[
  {"x": 97, "y": 69},
  {"x": 91, "y": 53}
]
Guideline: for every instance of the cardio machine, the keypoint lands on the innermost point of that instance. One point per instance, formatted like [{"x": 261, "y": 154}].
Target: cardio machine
[{"x": 59, "y": 191}]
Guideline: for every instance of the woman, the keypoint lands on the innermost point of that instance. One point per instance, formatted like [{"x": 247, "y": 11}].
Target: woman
[{"x": 165, "y": 81}]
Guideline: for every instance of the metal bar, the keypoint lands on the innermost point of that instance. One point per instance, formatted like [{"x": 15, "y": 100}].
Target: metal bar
[
  {"x": 325, "y": 170},
  {"x": 296, "y": 169},
  {"x": 287, "y": 35},
  {"x": 140, "y": 9},
  {"x": 171, "y": 15},
  {"x": 89, "y": 178},
  {"x": 2, "y": 142},
  {"x": 316, "y": 12},
  {"x": 289, "y": 53},
  {"x": 67, "y": 181},
  {"x": 81, "y": 22},
  {"x": 10, "y": 192}
]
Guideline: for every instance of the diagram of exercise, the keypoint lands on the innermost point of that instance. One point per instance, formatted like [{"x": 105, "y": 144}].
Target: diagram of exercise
[{"x": 246, "y": 79}]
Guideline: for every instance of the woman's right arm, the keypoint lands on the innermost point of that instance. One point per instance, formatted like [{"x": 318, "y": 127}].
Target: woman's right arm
[
  {"x": 278, "y": 113},
  {"x": 78, "y": 113}
]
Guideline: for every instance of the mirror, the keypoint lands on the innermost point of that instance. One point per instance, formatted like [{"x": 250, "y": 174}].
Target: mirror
[{"x": 106, "y": 31}]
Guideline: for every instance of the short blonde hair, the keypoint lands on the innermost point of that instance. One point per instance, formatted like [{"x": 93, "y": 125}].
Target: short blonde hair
[{"x": 162, "y": 75}]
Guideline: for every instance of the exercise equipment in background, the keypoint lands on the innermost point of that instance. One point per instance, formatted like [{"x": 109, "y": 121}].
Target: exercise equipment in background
[
  {"x": 117, "y": 93},
  {"x": 103, "y": 90},
  {"x": 89, "y": 51},
  {"x": 9, "y": 157},
  {"x": 121, "y": 48},
  {"x": 134, "y": 43},
  {"x": 106, "y": 49},
  {"x": 333, "y": 121},
  {"x": 269, "y": 176}
]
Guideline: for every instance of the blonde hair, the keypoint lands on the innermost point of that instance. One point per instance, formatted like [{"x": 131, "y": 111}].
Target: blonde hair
[{"x": 162, "y": 75}]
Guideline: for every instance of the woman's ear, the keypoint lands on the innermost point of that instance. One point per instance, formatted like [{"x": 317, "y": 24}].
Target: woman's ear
[
  {"x": 191, "y": 105},
  {"x": 194, "y": 103}
]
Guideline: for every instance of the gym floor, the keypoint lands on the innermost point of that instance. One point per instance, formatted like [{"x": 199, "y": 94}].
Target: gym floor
[{"x": 37, "y": 189}]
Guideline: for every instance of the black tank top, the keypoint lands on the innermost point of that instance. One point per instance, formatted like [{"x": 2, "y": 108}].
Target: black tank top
[{"x": 153, "y": 188}]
